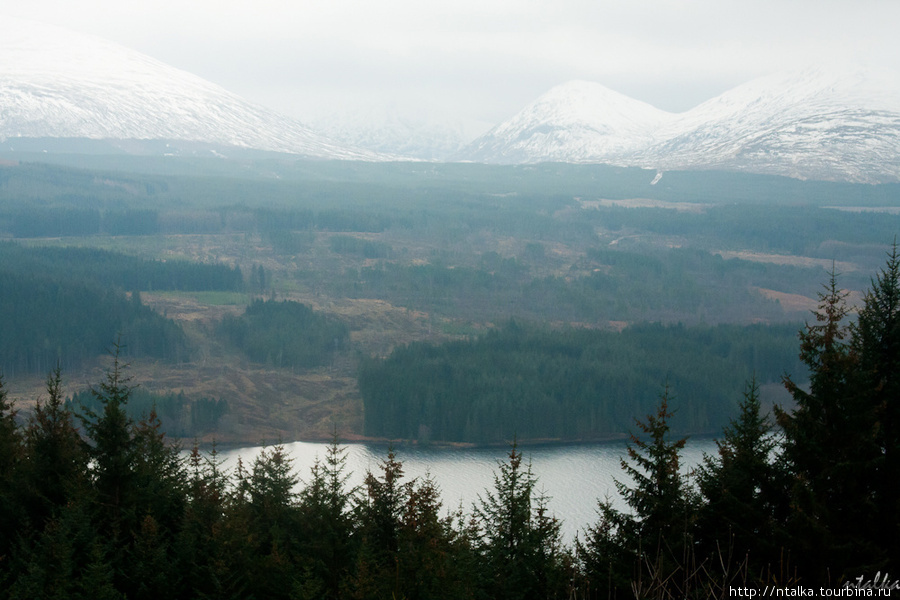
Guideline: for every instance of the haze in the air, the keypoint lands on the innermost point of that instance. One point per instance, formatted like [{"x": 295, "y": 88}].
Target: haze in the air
[{"x": 477, "y": 62}]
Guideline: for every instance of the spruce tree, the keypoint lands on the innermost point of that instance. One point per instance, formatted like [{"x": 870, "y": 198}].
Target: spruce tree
[
  {"x": 326, "y": 526},
  {"x": 659, "y": 495},
  {"x": 829, "y": 446},
  {"x": 520, "y": 540},
  {"x": 423, "y": 545},
  {"x": 273, "y": 514},
  {"x": 113, "y": 452},
  {"x": 650, "y": 547},
  {"x": 377, "y": 573},
  {"x": 876, "y": 341},
  {"x": 10, "y": 499},
  {"x": 741, "y": 490},
  {"x": 200, "y": 547},
  {"x": 56, "y": 463}
]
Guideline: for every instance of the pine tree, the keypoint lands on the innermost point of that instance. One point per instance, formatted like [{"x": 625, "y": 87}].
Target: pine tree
[
  {"x": 10, "y": 499},
  {"x": 379, "y": 515},
  {"x": 113, "y": 452},
  {"x": 273, "y": 514},
  {"x": 742, "y": 490},
  {"x": 520, "y": 540},
  {"x": 876, "y": 340},
  {"x": 422, "y": 542},
  {"x": 199, "y": 545},
  {"x": 829, "y": 445},
  {"x": 654, "y": 542},
  {"x": 660, "y": 496},
  {"x": 326, "y": 525},
  {"x": 56, "y": 464}
]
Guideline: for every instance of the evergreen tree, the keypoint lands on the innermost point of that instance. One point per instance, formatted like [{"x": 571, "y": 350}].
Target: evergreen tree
[
  {"x": 327, "y": 526},
  {"x": 56, "y": 463},
  {"x": 10, "y": 501},
  {"x": 742, "y": 490},
  {"x": 159, "y": 507},
  {"x": 660, "y": 495},
  {"x": 138, "y": 490},
  {"x": 199, "y": 545},
  {"x": 160, "y": 475},
  {"x": 607, "y": 557},
  {"x": 876, "y": 341},
  {"x": 379, "y": 513},
  {"x": 651, "y": 546},
  {"x": 113, "y": 452},
  {"x": 272, "y": 512},
  {"x": 424, "y": 545},
  {"x": 829, "y": 445},
  {"x": 520, "y": 541}
]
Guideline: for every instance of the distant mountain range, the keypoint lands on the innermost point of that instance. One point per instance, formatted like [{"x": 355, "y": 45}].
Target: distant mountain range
[
  {"x": 839, "y": 124},
  {"x": 63, "y": 91},
  {"x": 60, "y": 85}
]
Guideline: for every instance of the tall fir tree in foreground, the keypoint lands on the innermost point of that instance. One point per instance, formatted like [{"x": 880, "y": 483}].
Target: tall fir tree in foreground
[
  {"x": 876, "y": 341},
  {"x": 741, "y": 488},
  {"x": 326, "y": 525},
  {"x": 651, "y": 545},
  {"x": 838, "y": 439},
  {"x": 10, "y": 459},
  {"x": 521, "y": 541},
  {"x": 56, "y": 461}
]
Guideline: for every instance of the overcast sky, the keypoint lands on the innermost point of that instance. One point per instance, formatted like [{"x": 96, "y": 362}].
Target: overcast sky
[{"x": 480, "y": 60}]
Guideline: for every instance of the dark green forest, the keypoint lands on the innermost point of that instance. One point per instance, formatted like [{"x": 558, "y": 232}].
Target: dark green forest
[
  {"x": 178, "y": 415},
  {"x": 47, "y": 322},
  {"x": 285, "y": 334},
  {"x": 487, "y": 304},
  {"x": 63, "y": 305},
  {"x": 100, "y": 505},
  {"x": 574, "y": 384},
  {"x": 679, "y": 285}
]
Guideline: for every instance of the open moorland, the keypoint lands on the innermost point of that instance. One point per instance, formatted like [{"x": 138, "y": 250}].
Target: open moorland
[{"x": 385, "y": 256}]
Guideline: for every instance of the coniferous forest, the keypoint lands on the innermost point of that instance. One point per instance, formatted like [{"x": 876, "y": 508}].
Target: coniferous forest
[
  {"x": 282, "y": 299},
  {"x": 576, "y": 384},
  {"x": 94, "y": 504}
]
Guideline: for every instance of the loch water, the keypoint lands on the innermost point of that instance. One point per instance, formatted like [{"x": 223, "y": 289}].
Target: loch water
[{"x": 573, "y": 476}]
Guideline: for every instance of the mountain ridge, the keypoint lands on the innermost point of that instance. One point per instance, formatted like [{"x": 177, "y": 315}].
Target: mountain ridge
[
  {"x": 55, "y": 83},
  {"x": 58, "y": 87},
  {"x": 811, "y": 124}
]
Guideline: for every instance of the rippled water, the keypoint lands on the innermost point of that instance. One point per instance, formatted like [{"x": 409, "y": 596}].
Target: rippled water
[{"x": 573, "y": 476}]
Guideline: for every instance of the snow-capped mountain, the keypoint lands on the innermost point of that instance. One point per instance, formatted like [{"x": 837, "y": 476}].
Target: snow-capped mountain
[
  {"x": 577, "y": 121},
  {"x": 413, "y": 134},
  {"x": 55, "y": 83},
  {"x": 841, "y": 124},
  {"x": 832, "y": 124}
]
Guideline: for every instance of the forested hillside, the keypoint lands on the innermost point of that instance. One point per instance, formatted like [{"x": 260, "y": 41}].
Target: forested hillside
[
  {"x": 356, "y": 261},
  {"x": 575, "y": 384},
  {"x": 285, "y": 334},
  {"x": 99, "y": 503},
  {"x": 67, "y": 305}
]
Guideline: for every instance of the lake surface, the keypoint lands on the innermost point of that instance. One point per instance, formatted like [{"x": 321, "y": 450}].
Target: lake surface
[{"x": 573, "y": 476}]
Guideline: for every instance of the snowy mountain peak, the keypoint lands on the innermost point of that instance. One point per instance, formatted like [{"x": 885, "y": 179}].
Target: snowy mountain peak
[
  {"x": 819, "y": 123},
  {"x": 586, "y": 103},
  {"x": 413, "y": 132},
  {"x": 573, "y": 121},
  {"x": 56, "y": 83}
]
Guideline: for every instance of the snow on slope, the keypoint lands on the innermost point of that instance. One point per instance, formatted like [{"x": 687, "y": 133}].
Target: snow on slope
[
  {"x": 819, "y": 123},
  {"x": 417, "y": 134},
  {"x": 55, "y": 83},
  {"x": 575, "y": 121},
  {"x": 833, "y": 124}
]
